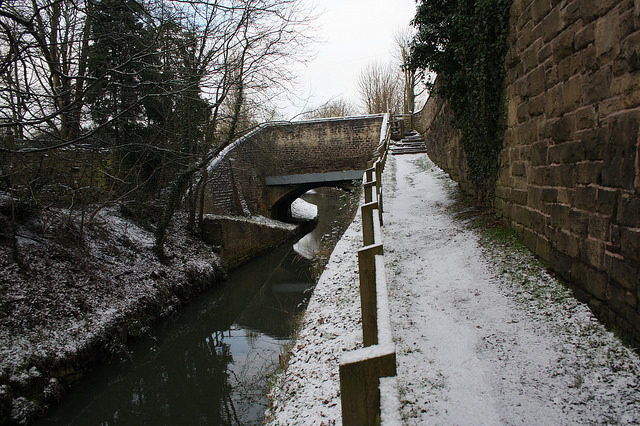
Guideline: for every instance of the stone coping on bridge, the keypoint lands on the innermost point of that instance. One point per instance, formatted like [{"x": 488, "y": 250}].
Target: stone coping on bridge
[
  {"x": 268, "y": 124},
  {"x": 344, "y": 175}
]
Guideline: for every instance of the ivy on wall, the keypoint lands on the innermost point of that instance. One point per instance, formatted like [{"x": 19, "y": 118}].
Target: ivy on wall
[{"x": 465, "y": 42}]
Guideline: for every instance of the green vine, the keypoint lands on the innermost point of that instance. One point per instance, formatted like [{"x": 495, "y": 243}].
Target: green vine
[{"x": 465, "y": 42}]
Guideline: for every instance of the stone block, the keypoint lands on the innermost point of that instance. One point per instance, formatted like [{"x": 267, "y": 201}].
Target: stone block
[
  {"x": 630, "y": 243},
  {"x": 594, "y": 282},
  {"x": 620, "y": 299},
  {"x": 630, "y": 44},
  {"x": 562, "y": 175},
  {"x": 554, "y": 101},
  {"x": 571, "y": 11},
  {"x": 592, "y": 253},
  {"x": 628, "y": 212},
  {"x": 621, "y": 270},
  {"x": 585, "y": 117},
  {"x": 571, "y": 94},
  {"x": 563, "y": 43},
  {"x": 566, "y": 195},
  {"x": 538, "y": 153},
  {"x": 614, "y": 238},
  {"x": 545, "y": 52},
  {"x": 610, "y": 106},
  {"x": 589, "y": 58},
  {"x": 594, "y": 142},
  {"x": 597, "y": 85},
  {"x": 538, "y": 176},
  {"x": 620, "y": 154},
  {"x": 543, "y": 248},
  {"x": 536, "y": 105},
  {"x": 535, "y": 82},
  {"x": 599, "y": 227},
  {"x": 549, "y": 195},
  {"x": 569, "y": 67},
  {"x": 522, "y": 113},
  {"x": 518, "y": 196},
  {"x": 585, "y": 36},
  {"x": 578, "y": 222},
  {"x": 540, "y": 9},
  {"x": 562, "y": 129},
  {"x": 518, "y": 169},
  {"x": 530, "y": 56},
  {"x": 606, "y": 38},
  {"x": 566, "y": 152},
  {"x": 531, "y": 239},
  {"x": 588, "y": 173},
  {"x": 551, "y": 25},
  {"x": 561, "y": 263},
  {"x": 559, "y": 216},
  {"x": 527, "y": 132},
  {"x": 627, "y": 23},
  {"x": 607, "y": 200},
  {"x": 585, "y": 197}
]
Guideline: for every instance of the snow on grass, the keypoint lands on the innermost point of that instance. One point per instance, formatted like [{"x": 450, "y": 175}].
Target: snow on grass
[
  {"x": 76, "y": 298},
  {"x": 308, "y": 391}
]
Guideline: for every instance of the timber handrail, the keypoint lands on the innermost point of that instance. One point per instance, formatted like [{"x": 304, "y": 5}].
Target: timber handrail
[{"x": 361, "y": 369}]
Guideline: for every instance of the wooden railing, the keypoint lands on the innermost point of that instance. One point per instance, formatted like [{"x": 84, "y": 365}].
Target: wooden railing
[{"x": 361, "y": 370}]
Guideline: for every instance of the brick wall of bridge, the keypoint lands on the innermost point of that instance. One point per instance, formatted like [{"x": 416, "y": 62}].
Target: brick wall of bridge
[
  {"x": 235, "y": 185},
  {"x": 569, "y": 180}
]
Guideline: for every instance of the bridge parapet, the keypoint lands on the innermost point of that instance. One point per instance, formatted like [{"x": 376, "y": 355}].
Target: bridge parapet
[{"x": 236, "y": 183}]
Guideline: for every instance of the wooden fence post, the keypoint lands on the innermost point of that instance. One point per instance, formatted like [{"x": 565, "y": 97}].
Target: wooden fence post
[
  {"x": 366, "y": 211},
  {"x": 368, "y": 191},
  {"x": 368, "y": 300}
]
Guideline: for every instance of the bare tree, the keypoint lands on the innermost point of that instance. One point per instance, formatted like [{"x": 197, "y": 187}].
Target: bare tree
[
  {"x": 380, "y": 89},
  {"x": 333, "y": 108},
  {"x": 140, "y": 93},
  {"x": 403, "y": 40}
]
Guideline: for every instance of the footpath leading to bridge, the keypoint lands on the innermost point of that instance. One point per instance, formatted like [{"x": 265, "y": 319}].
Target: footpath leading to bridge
[{"x": 484, "y": 335}]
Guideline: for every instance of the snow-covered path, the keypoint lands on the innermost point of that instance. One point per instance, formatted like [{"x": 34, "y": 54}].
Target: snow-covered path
[
  {"x": 484, "y": 335},
  {"x": 475, "y": 347}
]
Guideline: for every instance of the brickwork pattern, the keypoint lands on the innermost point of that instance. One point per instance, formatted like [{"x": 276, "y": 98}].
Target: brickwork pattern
[
  {"x": 569, "y": 179},
  {"x": 236, "y": 185},
  {"x": 570, "y": 170}
]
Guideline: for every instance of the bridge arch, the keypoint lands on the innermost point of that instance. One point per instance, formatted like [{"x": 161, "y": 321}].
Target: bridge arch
[
  {"x": 264, "y": 171},
  {"x": 281, "y": 208}
]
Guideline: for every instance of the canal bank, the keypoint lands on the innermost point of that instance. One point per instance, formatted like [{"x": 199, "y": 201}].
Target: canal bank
[
  {"x": 483, "y": 333},
  {"x": 39, "y": 367}
]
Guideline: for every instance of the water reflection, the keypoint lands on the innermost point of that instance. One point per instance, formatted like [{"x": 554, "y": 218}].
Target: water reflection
[{"x": 210, "y": 363}]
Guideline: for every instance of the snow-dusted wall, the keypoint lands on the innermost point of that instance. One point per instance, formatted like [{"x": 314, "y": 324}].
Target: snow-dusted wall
[
  {"x": 236, "y": 181},
  {"x": 569, "y": 180}
]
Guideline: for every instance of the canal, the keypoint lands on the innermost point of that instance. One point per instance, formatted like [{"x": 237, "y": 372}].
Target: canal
[{"x": 211, "y": 362}]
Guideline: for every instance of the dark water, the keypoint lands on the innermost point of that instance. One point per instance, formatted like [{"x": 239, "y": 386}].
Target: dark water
[{"x": 210, "y": 364}]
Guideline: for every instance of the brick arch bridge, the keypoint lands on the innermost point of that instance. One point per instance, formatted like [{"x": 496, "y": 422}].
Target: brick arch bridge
[{"x": 264, "y": 171}]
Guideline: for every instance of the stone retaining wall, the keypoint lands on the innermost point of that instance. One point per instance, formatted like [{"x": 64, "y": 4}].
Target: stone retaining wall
[{"x": 569, "y": 179}]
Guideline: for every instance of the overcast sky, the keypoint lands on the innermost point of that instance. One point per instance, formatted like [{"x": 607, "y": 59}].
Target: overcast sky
[{"x": 351, "y": 34}]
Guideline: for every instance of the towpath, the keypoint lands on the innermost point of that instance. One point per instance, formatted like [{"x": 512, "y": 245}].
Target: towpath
[{"x": 484, "y": 334}]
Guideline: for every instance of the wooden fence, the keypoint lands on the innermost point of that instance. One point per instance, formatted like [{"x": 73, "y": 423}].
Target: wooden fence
[{"x": 366, "y": 397}]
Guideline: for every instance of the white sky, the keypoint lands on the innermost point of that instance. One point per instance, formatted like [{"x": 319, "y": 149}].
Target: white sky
[{"x": 351, "y": 34}]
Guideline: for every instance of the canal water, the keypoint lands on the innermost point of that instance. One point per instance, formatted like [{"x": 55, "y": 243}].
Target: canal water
[{"x": 211, "y": 363}]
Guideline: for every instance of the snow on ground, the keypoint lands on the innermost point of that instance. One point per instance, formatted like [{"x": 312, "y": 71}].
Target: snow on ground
[
  {"x": 301, "y": 209},
  {"x": 475, "y": 344},
  {"x": 308, "y": 392},
  {"x": 76, "y": 300},
  {"x": 484, "y": 334}
]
